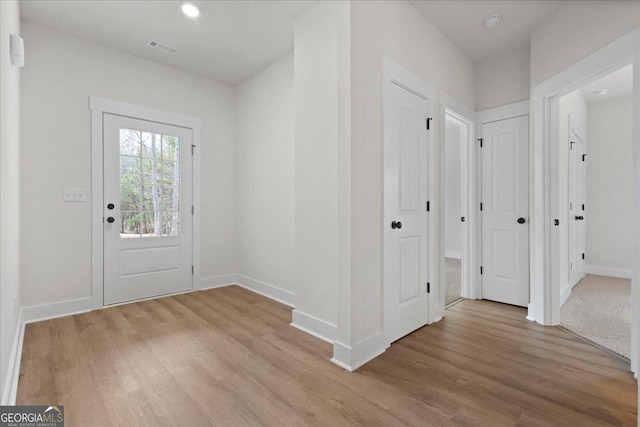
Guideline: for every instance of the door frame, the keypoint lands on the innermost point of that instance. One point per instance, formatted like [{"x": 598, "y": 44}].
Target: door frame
[
  {"x": 470, "y": 198},
  {"x": 545, "y": 277},
  {"x": 99, "y": 107},
  {"x": 504, "y": 112},
  {"x": 395, "y": 74}
]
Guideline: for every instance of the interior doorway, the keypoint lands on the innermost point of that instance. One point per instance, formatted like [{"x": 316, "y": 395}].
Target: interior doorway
[
  {"x": 457, "y": 134},
  {"x": 546, "y": 260},
  {"x": 596, "y": 180}
]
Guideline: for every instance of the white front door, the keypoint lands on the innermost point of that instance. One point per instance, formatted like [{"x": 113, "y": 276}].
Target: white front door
[
  {"x": 505, "y": 214},
  {"x": 147, "y": 209},
  {"x": 406, "y": 229},
  {"x": 577, "y": 204}
]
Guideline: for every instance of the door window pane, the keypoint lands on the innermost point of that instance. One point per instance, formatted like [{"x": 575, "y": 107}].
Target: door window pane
[
  {"x": 171, "y": 223},
  {"x": 129, "y": 170},
  {"x": 149, "y": 184},
  {"x": 170, "y": 198},
  {"x": 130, "y": 142},
  {"x": 170, "y": 148},
  {"x": 129, "y": 197},
  {"x": 129, "y": 224}
]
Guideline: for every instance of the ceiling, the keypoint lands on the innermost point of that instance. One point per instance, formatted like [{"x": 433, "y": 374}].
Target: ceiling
[
  {"x": 229, "y": 41},
  {"x": 461, "y": 22},
  {"x": 232, "y": 40},
  {"x": 619, "y": 83}
]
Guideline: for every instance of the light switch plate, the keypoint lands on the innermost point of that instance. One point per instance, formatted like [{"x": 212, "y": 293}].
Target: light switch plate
[{"x": 75, "y": 195}]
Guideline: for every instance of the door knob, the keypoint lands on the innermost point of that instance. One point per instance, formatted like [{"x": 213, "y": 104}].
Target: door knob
[
  {"x": 521, "y": 220},
  {"x": 579, "y": 217},
  {"x": 396, "y": 224},
  {"x": 110, "y": 219},
  {"x": 111, "y": 206}
]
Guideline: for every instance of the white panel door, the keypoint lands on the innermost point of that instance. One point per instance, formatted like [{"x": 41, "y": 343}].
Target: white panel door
[
  {"x": 406, "y": 249},
  {"x": 505, "y": 214},
  {"x": 147, "y": 209},
  {"x": 577, "y": 204}
]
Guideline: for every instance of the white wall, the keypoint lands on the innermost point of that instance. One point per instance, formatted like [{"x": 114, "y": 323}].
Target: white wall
[
  {"x": 452, "y": 189},
  {"x": 319, "y": 73},
  {"x": 610, "y": 184},
  {"x": 62, "y": 73},
  {"x": 575, "y": 30},
  {"x": 572, "y": 109},
  {"x": 265, "y": 203},
  {"x": 502, "y": 80},
  {"x": 394, "y": 29},
  {"x": 9, "y": 188}
]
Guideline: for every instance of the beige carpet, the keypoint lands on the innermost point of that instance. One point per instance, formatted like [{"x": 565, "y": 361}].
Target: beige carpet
[
  {"x": 599, "y": 309},
  {"x": 453, "y": 273}
]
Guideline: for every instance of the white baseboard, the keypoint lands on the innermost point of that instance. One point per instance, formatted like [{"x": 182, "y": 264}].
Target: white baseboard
[
  {"x": 452, "y": 254},
  {"x": 217, "y": 281},
  {"x": 622, "y": 273},
  {"x": 10, "y": 388},
  {"x": 58, "y": 309},
  {"x": 531, "y": 312},
  {"x": 83, "y": 305},
  {"x": 564, "y": 294},
  {"x": 312, "y": 325},
  {"x": 269, "y": 291},
  {"x": 351, "y": 358}
]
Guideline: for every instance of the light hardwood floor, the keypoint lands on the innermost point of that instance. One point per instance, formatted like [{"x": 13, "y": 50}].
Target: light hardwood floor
[{"x": 229, "y": 357}]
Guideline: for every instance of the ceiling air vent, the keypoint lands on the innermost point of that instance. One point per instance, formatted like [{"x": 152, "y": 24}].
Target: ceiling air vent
[{"x": 163, "y": 47}]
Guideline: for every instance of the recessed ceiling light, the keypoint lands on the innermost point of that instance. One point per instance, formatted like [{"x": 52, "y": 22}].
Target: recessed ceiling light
[
  {"x": 190, "y": 9},
  {"x": 601, "y": 92},
  {"x": 492, "y": 20}
]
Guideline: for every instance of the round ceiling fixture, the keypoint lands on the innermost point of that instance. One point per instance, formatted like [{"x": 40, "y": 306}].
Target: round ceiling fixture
[
  {"x": 601, "y": 92},
  {"x": 190, "y": 9},
  {"x": 492, "y": 20}
]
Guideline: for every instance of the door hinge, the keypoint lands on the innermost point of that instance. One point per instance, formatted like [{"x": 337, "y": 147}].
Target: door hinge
[
  {"x": 571, "y": 266},
  {"x": 428, "y": 287},
  {"x": 584, "y": 157},
  {"x": 570, "y": 206},
  {"x": 428, "y": 206},
  {"x": 462, "y": 219},
  {"x": 193, "y": 210},
  {"x": 428, "y": 123},
  {"x": 480, "y": 205},
  {"x": 480, "y": 139},
  {"x": 583, "y": 206},
  {"x": 193, "y": 269},
  {"x": 480, "y": 269},
  {"x": 193, "y": 148},
  {"x": 583, "y": 255},
  {"x": 556, "y": 222}
]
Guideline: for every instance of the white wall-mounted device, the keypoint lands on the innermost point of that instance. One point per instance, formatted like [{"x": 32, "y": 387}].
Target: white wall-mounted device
[{"x": 16, "y": 49}]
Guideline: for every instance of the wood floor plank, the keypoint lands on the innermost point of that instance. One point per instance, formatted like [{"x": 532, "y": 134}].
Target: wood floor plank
[{"x": 229, "y": 357}]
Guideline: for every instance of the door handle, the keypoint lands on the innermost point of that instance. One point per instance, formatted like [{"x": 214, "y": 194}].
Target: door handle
[
  {"x": 396, "y": 224},
  {"x": 110, "y": 220},
  {"x": 521, "y": 220},
  {"x": 579, "y": 217}
]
